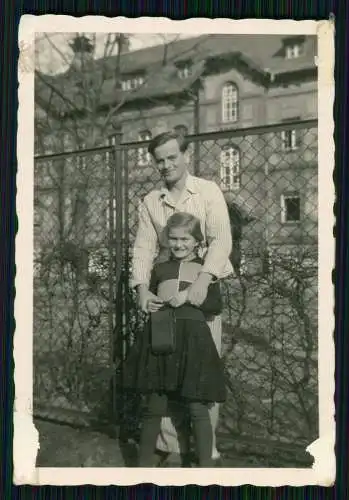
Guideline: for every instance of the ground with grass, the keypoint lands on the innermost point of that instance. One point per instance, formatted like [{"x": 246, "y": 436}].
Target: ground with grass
[{"x": 66, "y": 446}]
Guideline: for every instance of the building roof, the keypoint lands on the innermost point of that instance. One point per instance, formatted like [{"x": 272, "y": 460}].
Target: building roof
[
  {"x": 263, "y": 54},
  {"x": 264, "y": 50}
]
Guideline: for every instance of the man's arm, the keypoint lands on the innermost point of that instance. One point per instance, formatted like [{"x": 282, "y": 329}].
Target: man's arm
[
  {"x": 219, "y": 240},
  {"x": 218, "y": 233},
  {"x": 144, "y": 248},
  {"x": 143, "y": 257}
]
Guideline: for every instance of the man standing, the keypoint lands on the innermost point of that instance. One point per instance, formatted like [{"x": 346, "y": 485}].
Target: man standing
[{"x": 202, "y": 198}]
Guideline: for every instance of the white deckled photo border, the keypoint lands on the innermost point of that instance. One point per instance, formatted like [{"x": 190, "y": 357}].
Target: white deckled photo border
[{"x": 26, "y": 438}]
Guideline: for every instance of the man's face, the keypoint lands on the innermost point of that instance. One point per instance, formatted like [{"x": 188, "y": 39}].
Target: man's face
[{"x": 170, "y": 161}]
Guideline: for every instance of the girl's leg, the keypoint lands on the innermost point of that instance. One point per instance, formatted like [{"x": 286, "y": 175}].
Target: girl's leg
[
  {"x": 214, "y": 416},
  {"x": 181, "y": 422},
  {"x": 215, "y": 326},
  {"x": 203, "y": 432},
  {"x": 175, "y": 430},
  {"x": 156, "y": 409}
]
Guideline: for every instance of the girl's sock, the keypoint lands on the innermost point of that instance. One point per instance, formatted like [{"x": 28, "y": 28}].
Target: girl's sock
[
  {"x": 156, "y": 409},
  {"x": 203, "y": 433}
]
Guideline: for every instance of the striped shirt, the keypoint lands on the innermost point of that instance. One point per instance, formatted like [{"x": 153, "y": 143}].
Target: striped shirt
[{"x": 201, "y": 198}]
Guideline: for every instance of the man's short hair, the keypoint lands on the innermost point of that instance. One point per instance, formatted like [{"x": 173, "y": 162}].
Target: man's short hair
[{"x": 161, "y": 139}]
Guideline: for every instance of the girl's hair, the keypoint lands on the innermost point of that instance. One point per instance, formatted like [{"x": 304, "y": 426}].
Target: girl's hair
[{"x": 187, "y": 221}]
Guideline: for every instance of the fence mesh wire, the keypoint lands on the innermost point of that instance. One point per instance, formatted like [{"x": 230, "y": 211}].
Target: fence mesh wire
[
  {"x": 73, "y": 280},
  {"x": 86, "y": 315}
]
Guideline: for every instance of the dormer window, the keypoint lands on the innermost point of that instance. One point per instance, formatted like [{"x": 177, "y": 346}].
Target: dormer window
[
  {"x": 184, "y": 71},
  {"x": 293, "y": 51},
  {"x": 132, "y": 83},
  {"x": 293, "y": 47}
]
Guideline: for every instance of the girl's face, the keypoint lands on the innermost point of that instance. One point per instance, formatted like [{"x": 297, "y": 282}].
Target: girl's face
[{"x": 182, "y": 244}]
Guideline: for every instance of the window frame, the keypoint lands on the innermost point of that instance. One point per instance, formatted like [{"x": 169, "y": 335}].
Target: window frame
[
  {"x": 143, "y": 155},
  {"x": 128, "y": 84},
  {"x": 291, "y": 53},
  {"x": 283, "y": 207},
  {"x": 110, "y": 141},
  {"x": 107, "y": 216},
  {"x": 184, "y": 71},
  {"x": 294, "y": 140},
  {"x": 231, "y": 116},
  {"x": 233, "y": 185}
]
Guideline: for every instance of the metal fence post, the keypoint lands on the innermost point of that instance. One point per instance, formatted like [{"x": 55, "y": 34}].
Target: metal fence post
[
  {"x": 119, "y": 271},
  {"x": 111, "y": 279},
  {"x": 126, "y": 250},
  {"x": 115, "y": 267},
  {"x": 196, "y": 132}
]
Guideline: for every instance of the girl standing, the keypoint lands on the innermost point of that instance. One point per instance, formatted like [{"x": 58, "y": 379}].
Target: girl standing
[{"x": 175, "y": 357}]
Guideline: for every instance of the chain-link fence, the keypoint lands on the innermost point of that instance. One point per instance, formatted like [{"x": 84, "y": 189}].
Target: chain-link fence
[
  {"x": 76, "y": 277},
  {"x": 269, "y": 176},
  {"x": 86, "y": 315}
]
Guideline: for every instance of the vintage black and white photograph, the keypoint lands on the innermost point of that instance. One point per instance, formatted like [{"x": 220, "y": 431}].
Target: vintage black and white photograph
[{"x": 176, "y": 252}]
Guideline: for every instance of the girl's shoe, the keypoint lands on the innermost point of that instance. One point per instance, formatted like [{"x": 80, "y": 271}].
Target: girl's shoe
[
  {"x": 162, "y": 458},
  {"x": 218, "y": 462},
  {"x": 187, "y": 460},
  {"x": 216, "y": 459}
]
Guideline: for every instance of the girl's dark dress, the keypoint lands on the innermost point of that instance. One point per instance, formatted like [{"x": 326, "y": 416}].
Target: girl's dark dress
[{"x": 194, "y": 370}]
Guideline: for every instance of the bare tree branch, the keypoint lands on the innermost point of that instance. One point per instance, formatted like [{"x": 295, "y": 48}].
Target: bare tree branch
[
  {"x": 91, "y": 91},
  {"x": 56, "y": 91},
  {"x": 57, "y": 49}
]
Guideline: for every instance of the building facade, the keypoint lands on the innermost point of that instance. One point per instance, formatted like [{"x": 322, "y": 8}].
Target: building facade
[{"x": 204, "y": 84}]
